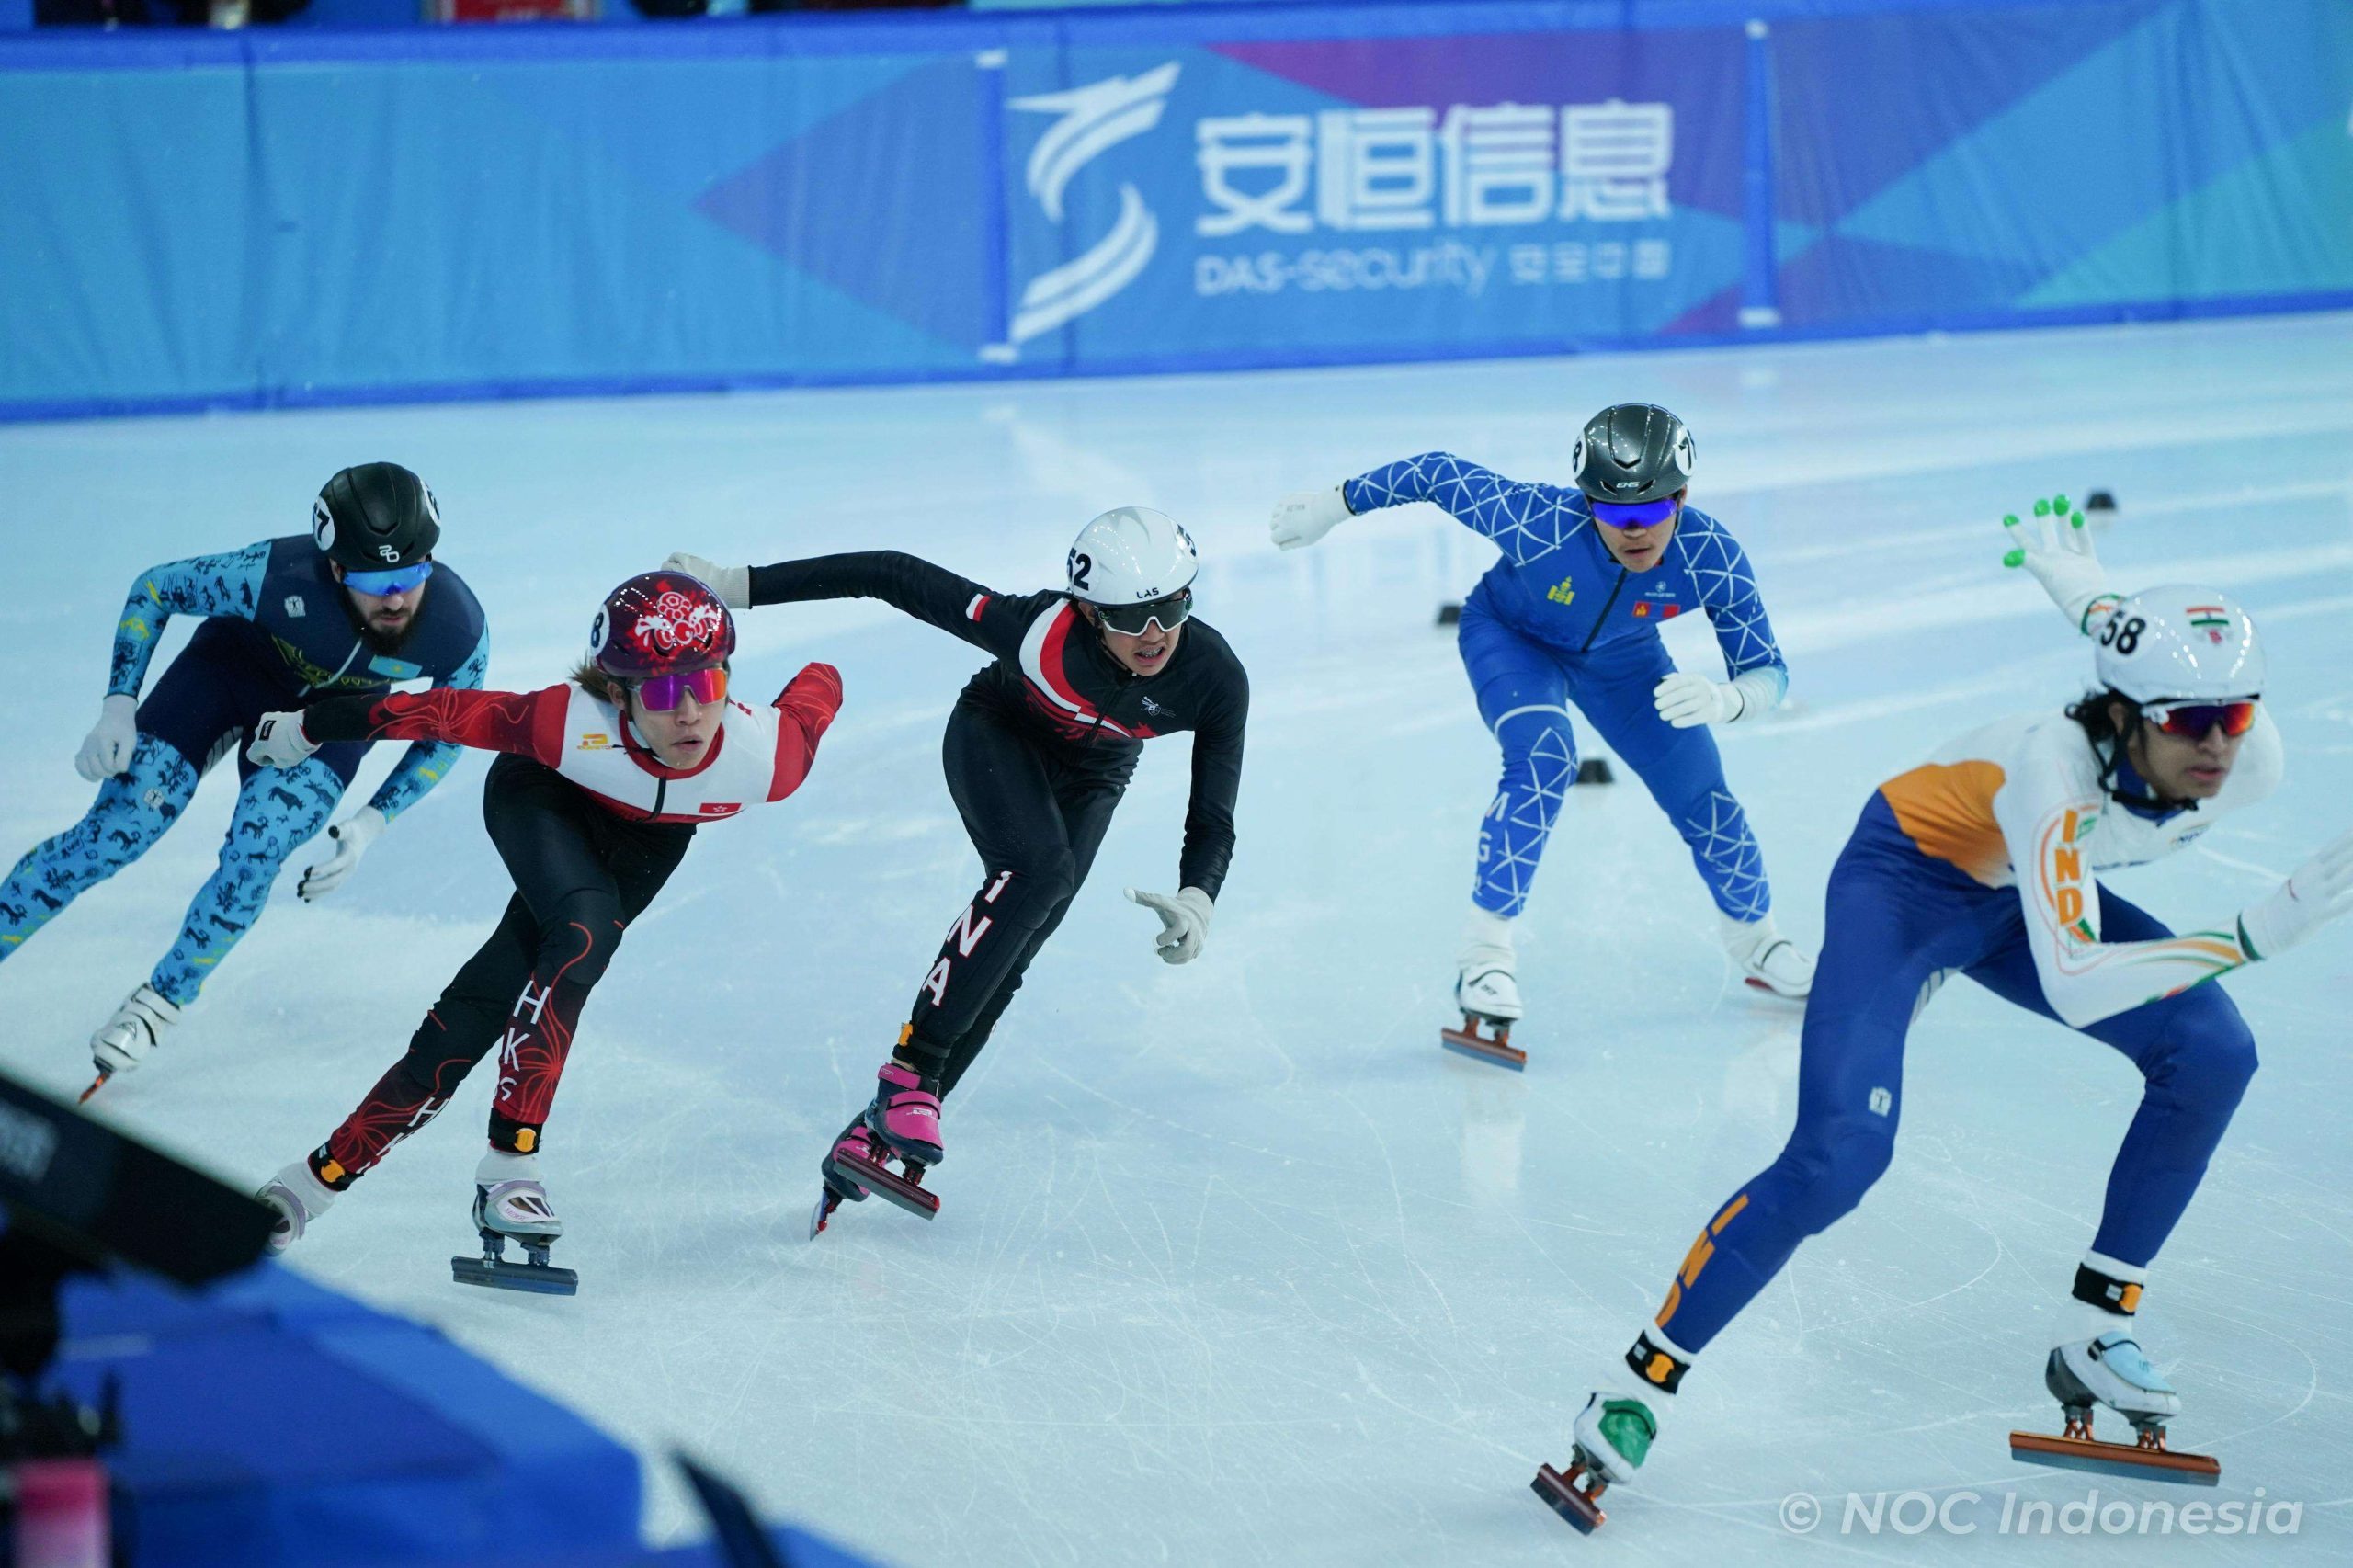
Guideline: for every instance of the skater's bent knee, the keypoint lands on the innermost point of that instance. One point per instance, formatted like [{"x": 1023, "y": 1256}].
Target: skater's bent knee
[
  {"x": 1047, "y": 879},
  {"x": 580, "y": 934},
  {"x": 1828, "y": 1172}
]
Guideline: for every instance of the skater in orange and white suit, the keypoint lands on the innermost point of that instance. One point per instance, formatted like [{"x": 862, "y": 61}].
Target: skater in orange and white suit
[{"x": 1986, "y": 862}]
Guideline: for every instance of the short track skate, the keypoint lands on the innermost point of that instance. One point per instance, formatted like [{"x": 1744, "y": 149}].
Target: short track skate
[
  {"x": 1580, "y": 1505},
  {"x": 492, "y": 1268},
  {"x": 905, "y": 1190},
  {"x": 1497, "y": 1048},
  {"x": 2075, "y": 1448}
]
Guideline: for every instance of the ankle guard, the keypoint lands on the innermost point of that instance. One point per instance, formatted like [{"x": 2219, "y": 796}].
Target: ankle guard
[
  {"x": 1658, "y": 1368},
  {"x": 2119, "y": 1296}
]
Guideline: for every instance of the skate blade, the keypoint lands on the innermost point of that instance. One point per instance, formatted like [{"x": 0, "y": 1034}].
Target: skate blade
[
  {"x": 890, "y": 1184},
  {"x": 500, "y": 1275},
  {"x": 96, "y": 1085},
  {"x": 2116, "y": 1459},
  {"x": 1762, "y": 989},
  {"x": 827, "y": 1201},
  {"x": 1567, "y": 1501},
  {"x": 1497, "y": 1048}
]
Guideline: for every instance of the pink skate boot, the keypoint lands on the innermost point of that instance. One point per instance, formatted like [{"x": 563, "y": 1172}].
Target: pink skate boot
[
  {"x": 840, "y": 1187},
  {"x": 902, "y": 1125},
  {"x": 905, "y": 1114}
]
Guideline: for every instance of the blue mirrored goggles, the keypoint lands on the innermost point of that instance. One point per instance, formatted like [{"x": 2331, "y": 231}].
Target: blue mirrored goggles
[
  {"x": 1634, "y": 513},
  {"x": 399, "y": 580}
]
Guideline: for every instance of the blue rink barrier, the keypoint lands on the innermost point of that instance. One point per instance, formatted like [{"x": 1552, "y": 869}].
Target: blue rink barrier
[
  {"x": 299, "y": 218},
  {"x": 270, "y": 1423}
]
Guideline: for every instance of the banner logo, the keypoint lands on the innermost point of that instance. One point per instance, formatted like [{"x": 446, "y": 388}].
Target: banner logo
[{"x": 1092, "y": 120}]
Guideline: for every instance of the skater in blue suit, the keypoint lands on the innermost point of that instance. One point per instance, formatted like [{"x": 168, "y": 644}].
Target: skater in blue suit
[
  {"x": 1571, "y": 614},
  {"x": 354, "y": 605}
]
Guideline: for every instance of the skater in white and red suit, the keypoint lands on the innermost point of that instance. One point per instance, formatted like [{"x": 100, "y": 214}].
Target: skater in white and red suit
[{"x": 604, "y": 780}]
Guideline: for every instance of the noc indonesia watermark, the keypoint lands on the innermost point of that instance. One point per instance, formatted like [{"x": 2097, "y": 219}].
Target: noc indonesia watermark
[{"x": 1963, "y": 1512}]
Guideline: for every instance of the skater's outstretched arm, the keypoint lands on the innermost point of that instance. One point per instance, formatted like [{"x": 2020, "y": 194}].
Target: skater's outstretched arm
[
  {"x": 2048, "y": 812},
  {"x": 423, "y": 765},
  {"x": 203, "y": 584},
  {"x": 1525, "y": 520},
  {"x": 528, "y": 724},
  {"x": 227, "y": 584},
  {"x": 804, "y": 709},
  {"x": 988, "y": 620}
]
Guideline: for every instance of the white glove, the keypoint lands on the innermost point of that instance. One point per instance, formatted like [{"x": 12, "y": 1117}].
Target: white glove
[
  {"x": 2057, "y": 548},
  {"x": 351, "y": 838},
  {"x": 733, "y": 583},
  {"x": 1687, "y": 701},
  {"x": 107, "y": 750},
  {"x": 1184, "y": 922},
  {"x": 1305, "y": 515},
  {"x": 2320, "y": 890},
  {"x": 279, "y": 741}
]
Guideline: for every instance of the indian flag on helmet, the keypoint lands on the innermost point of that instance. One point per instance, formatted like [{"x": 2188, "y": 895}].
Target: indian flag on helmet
[{"x": 2209, "y": 615}]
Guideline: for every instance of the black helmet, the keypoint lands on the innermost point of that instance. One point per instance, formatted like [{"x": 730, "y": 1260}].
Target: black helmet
[
  {"x": 1635, "y": 451},
  {"x": 374, "y": 517}
]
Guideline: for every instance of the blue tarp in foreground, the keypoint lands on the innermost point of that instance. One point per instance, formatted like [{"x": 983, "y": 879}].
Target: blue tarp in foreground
[
  {"x": 305, "y": 218},
  {"x": 272, "y": 1424}
]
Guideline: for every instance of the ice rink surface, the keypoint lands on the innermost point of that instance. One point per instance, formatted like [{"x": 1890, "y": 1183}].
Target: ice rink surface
[{"x": 1235, "y": 1265}]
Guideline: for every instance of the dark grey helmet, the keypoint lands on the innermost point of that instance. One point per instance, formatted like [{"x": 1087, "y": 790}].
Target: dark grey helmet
[
  {"x": 374, "y": 517},
  {"x": 1635, "y": 451}
]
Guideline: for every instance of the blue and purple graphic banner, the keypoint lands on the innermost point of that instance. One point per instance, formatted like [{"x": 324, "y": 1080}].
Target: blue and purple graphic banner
[{"x": 299, "y": 219}]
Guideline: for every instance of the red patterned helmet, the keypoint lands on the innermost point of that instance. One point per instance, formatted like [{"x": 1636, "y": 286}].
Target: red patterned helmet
[{"x": 661, "y": 623}]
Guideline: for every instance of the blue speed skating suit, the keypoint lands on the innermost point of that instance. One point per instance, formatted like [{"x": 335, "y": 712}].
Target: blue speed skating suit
[{"x": 1558, "y": 620}]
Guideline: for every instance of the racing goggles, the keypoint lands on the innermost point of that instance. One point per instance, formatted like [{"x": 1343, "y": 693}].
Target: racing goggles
[
  {"x": 2192, "y": 721},
  {"x": 399, "y": 580},
  {"x": 659, "y": 694},
  {"x": 1171, "y": 612},
  {"x": 1634, "y": 513}
]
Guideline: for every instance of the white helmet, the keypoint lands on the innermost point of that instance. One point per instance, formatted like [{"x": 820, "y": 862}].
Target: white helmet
[
  {"x": 1130, "y": 554},
  {"x": 2178, "y": 642}
]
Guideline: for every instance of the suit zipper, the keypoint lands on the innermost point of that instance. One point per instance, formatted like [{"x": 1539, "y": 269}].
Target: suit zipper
[{"x": 1606, "y": 606}]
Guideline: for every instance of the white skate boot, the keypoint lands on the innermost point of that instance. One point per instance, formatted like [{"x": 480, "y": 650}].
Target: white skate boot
[
  {"x": 299, "y": 1197},
  {"x": 510, "y": 1204},
  {"x": 1487, "y": 990},
  {"x": 2110, "y": 1369},
  {"x": 137, "y": 1028},
  {"x": 1767, "y": 959},
  {"x": 1614, "y": 1434}
]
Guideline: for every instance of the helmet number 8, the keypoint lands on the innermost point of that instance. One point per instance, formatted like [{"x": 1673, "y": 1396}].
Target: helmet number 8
[{"x": 2123, "y": 635}]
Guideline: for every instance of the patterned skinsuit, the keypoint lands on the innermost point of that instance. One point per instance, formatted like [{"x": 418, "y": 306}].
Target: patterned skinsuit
[
  {"x": 1557, "y": 620},
  {"x": 279, "y": 629}
]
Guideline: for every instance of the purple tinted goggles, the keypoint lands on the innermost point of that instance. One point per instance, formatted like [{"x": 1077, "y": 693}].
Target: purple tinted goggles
[{"x": 1634, "y": 513}]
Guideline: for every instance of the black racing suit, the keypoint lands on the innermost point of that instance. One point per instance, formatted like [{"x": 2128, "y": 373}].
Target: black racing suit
[{"x": 1040, "y": 748}]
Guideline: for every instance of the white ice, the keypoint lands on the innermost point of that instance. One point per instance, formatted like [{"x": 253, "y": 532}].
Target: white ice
[{"x": 1234, "y": 1266}]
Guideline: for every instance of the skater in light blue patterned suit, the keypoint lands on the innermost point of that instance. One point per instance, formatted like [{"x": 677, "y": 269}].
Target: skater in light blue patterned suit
[
  {"x": 1571, "y": 614},
  {"x": 355, "y": 604}
]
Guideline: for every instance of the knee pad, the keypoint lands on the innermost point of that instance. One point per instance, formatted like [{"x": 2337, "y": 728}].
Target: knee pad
[
  {"x": 579, "y": 936},
  {"x": 1828, "y": 1173}
]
